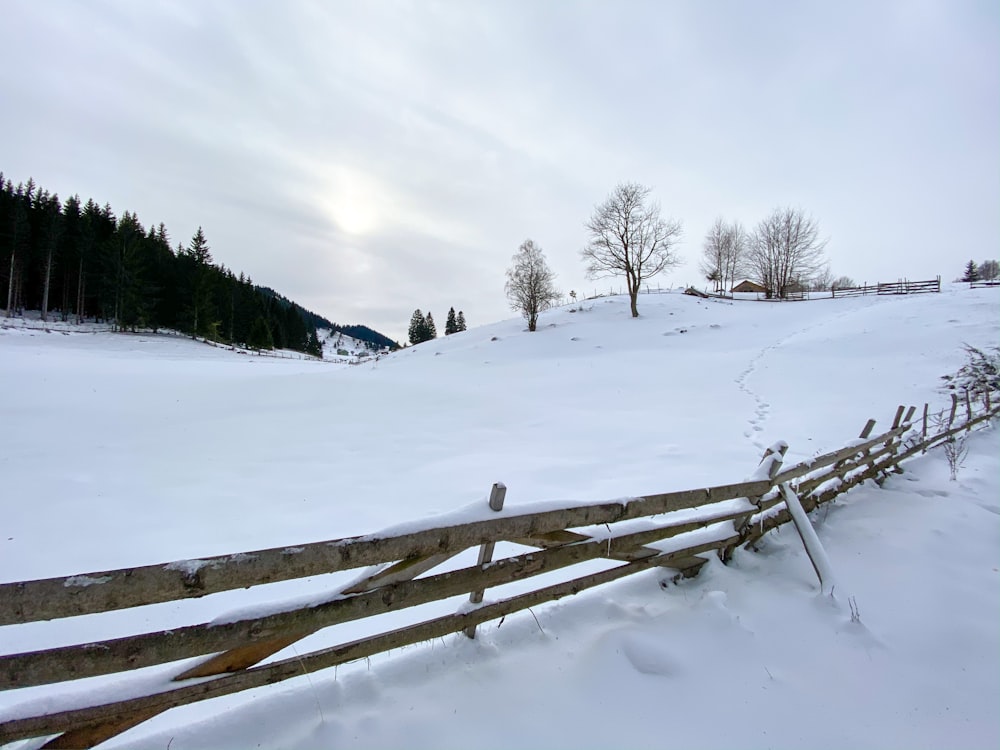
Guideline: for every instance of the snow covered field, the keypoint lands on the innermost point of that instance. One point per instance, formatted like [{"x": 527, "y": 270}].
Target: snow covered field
[{"x": 123, "y": 450}]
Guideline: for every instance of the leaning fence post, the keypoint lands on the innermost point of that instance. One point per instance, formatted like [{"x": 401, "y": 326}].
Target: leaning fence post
[
  {"x": 954, "y": 408},
  {"x": 923, "y": 431},
  {"x": 866, "y": 432},
  {"x": 894, "y": 443},
  {"x": 769, "y": 466},
  {"x": 814, "y": 548},
  {"x": 497, "y": 495}
]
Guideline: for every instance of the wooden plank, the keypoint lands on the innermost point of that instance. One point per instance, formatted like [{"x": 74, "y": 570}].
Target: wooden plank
[
  {"x": 94, "y": 734},
  {"x": 134, "y": 652},
  {"x": 102, "y": 591},
  {"x": 243, "y": 656},
  {"x": 35, "y": 726},
  {"x": 404, "y": 570},
  {"x": 840, "y": 454},
  {"x": 847, "y": 466},
  {"x": 782, "y": 517},
  {"x": 559, "y": 538},
  {"x": 552, "y": 539}
]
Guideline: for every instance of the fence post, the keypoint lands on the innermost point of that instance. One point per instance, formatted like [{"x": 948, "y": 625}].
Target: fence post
[
  {"x": 968, "y": 411},
  {"x": 894, "y": 442},
  {"x": 774, "y": 456},
  {"x": 810, "y": 541},
  {"x": 954, "y": 407},
  {"x": 923, "y": 432},
  {"x": 497, "y": 495}
]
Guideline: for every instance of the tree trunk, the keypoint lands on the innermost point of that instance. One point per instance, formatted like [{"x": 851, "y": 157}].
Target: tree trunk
[
  {"x": 10, "y": 285},
  {"x": 45, "y": 289},
  {"x": 79, "y": 295}
]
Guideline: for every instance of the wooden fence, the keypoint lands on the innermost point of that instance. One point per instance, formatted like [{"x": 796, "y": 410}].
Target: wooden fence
[
  {"x": 890, "y": 287},
  {"x": 984, "y": 284},
  {"x": 714, "y": 519}
]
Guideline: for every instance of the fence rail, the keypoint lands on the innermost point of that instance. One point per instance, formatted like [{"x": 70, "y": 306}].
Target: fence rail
[
  {"x": 714, "y": 519},
  {"x": 902, "y": 286}
]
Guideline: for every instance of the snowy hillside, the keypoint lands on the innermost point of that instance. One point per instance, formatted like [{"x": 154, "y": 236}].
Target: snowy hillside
[
  {"x": 129, "y": 450},
  {"x": 339, "y": 347}
]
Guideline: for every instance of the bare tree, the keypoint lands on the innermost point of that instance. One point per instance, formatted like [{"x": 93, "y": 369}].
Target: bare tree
[
  {"x": 786, "y": 251},
  {"x": 822, "y": 280},
  {"x": 530, "y": 283},
  {"x": 843, "y": 282},
  {"x": 628, "y": 238},
  {"x": 989, "y": 270},
  {"x": 723, "y": 254}
]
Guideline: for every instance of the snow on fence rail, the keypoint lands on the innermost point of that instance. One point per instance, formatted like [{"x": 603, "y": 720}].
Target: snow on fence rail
[{"x": 678, "y": 527}]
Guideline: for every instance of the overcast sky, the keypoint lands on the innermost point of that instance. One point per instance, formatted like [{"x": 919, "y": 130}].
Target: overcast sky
[{"x": 369, "y": 158}]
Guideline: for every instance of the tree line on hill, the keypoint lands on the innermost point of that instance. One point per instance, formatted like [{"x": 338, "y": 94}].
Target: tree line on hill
[
  {"x": 81, "y": 262},
  {"x": 422, "y": 327},
  {"x": 988, "y": 270}
]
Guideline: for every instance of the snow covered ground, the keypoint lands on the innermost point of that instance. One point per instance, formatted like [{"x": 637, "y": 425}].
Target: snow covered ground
[{"x": 121, "y": 450}]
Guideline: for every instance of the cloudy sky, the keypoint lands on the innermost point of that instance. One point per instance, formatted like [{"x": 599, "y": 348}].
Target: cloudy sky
[{"x": 369, "y": 158}]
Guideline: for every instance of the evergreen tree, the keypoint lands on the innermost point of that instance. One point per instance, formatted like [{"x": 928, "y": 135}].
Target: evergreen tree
[
  {"x": 460, "y": 322},
  {"x": 418, "y": 327},
  {"x": 197, "y": 278},
  {"x": 82, "y": 261},
  {"x": 314, "y": 347},
  {"x": 971, "y": 271},
  {"x": 260, "y": 335},
  {"x": 429, "y": 327},
  {"x": 450, "y": 325},
  {"x": 52, "y": 232}
]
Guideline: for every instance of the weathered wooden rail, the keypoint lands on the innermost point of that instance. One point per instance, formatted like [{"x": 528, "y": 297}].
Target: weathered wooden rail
[{"x": 680, "y": 527}]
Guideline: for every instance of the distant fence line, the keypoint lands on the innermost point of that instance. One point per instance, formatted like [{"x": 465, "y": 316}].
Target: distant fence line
[
  {"x": 890, "y": 287},
  {"x": 727, "y": 516},
  {"x": 902, "y": 286}
]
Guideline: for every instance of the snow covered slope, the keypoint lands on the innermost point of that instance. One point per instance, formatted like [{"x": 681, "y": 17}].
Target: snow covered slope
[{"x": 126, "y": 450}]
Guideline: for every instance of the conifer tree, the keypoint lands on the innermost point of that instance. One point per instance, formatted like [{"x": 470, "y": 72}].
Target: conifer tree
[
  {"x": 429, "y": 327},
  {"x": 260, "y": 335},
  {"x": 460, "y": 322},
  {"x": 417, "y": 331},
  {"x": 971, "y": 271},
  {"x": 450, "y": 325}
]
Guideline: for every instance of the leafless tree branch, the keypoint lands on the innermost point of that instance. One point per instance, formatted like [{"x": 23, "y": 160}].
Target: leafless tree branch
[{"x": 628, "y": 238}]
